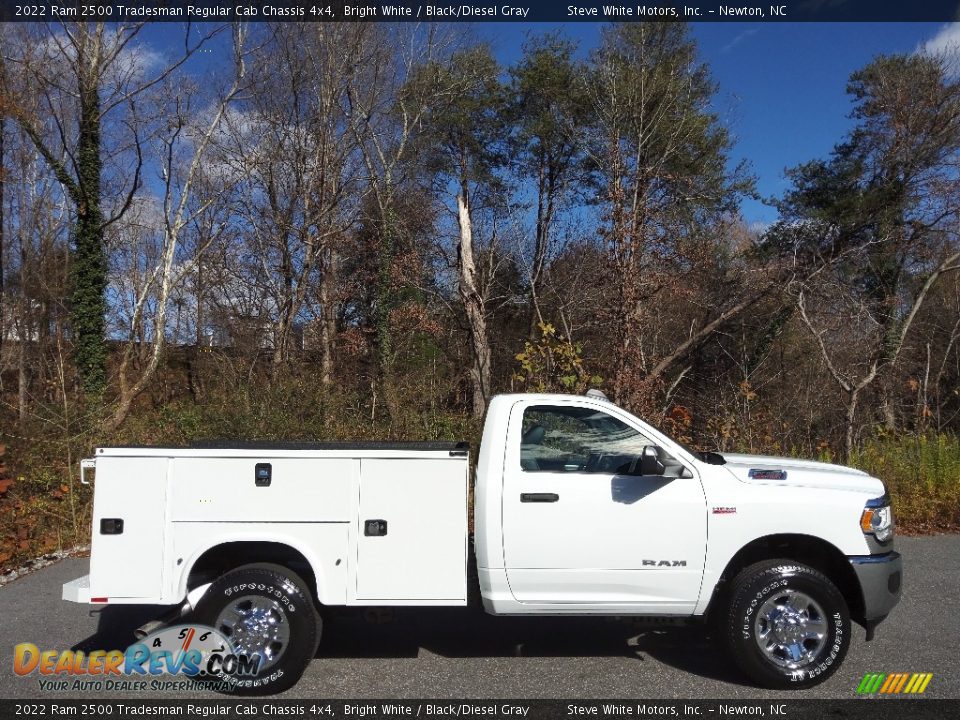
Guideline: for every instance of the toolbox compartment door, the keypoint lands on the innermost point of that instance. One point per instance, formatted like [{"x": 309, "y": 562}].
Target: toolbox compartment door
[
  {"x": 126, "y": 560},
  {"x": 420, "y": 554}
]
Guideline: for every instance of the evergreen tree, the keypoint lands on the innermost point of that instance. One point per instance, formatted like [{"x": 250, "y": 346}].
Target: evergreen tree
[
  {"x": 874, "y": 225},
  {"x": 550, "y": 110},
  {"x": 662, "y": 157}
]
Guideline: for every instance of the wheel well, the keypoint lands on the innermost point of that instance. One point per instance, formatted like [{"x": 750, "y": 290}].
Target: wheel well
[
  {"x": 806, "y": 549},
  {"x": 220, "y": 559}
]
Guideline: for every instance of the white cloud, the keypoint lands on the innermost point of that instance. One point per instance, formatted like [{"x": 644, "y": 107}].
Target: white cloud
[
  {"x": 134, "y": 64},
  {"x": 945, "y": 42},
  {"x": 739, "y": 39},
  {"x": 140, "y": 61}
]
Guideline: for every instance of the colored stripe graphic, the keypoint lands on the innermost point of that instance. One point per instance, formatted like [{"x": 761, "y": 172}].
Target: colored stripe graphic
[
  {"x": 894, "y": 683},
  {"x": 922, "y": 681},
  {"x": 900, "y": 684},
  {"x": 870, "y": 683}
]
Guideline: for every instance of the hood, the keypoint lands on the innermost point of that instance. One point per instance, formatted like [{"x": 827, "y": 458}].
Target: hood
[{"x": 803, "y": 473}]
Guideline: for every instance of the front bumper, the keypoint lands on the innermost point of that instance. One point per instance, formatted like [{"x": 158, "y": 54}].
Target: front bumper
[{"x": 881, "y": 579}]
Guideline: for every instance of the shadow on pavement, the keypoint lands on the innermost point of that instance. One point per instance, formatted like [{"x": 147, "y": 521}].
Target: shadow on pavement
[
  {"x": 116, "y": 624},
  {"x": 469, "y": 632}
]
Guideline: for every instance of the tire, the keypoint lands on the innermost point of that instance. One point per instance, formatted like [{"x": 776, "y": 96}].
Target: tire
[
  {"x": 282, "y": 603},
  {"x": 787, "y": 625}
]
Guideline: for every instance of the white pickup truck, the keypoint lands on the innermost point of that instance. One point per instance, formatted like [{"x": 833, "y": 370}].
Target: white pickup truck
[{"x": 580, "y": 508}]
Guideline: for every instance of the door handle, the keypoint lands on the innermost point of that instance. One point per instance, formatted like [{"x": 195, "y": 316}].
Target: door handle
[
  {"x": 539, "y": 497},
  {"x": 374, "y": 528}
]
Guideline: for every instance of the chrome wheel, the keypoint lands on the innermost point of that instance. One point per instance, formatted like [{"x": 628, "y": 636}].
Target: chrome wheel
[
  {"x": 255, "y": 624},
  {"x": 791, "y": 629}
]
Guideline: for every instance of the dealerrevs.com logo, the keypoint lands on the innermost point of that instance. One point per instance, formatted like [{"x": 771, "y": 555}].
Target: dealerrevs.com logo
[
  {"x": 174, "y": 658},
  {"x": 894, "y": 683}
]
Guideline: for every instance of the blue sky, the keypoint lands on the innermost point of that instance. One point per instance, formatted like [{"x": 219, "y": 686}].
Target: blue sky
[{"x": 781, "y": 85}]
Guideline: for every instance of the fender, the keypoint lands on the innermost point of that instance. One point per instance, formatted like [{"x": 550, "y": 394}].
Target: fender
[
  {"x": 801, "y": 547},
  {"x": 322, "y": 589}
]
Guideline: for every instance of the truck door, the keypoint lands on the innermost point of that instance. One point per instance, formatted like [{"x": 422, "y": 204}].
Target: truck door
[{"x": 579, "y": 527}]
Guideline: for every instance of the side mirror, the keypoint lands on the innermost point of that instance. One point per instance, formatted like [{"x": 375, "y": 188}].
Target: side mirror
[
  {"x": 646, "y": 463},
  {"x": 650, "y": 462}
]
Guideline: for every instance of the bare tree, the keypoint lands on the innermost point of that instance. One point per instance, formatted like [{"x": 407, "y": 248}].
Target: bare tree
[
  {"x": 389, "y": 104},
  {"x": 79, "y": 75},
  {"x": 184, "y": 147},
  {"x": 877, "y": 222},
  {"x": 295, "y": 151},
  {"x": 466, "y": 126},
  {"x": 887, "y": 348}
]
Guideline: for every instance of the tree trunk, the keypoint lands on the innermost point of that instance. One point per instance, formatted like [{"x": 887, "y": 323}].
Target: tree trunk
[
  {"x": 384, "y": 336},
  {"x": 194, "y": 373},
  {"x": 87, "y": 303},
  {"x": 23, "y": 338},
  {"x": 284, "y": 323},
  {"x": 623, "y": 243},
  {"x": 23, "y": 334},
  {"x": 852, "y": 400},
  {"x": 887, "y": 409},
  {"x": 22, "y": 379},
  {"x": 540, "y": 249},
  {"x": 198, "y": 291},
  {"x": 473, "y": 306},
  {"x": 328, "y": 317}
]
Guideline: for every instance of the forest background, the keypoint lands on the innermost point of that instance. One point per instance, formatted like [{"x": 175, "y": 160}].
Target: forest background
[{"x": 365, "y": 231}]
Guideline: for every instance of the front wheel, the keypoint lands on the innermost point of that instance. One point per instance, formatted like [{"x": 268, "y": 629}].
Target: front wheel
[
  {"x": 787, "y": 625},
  {"x": 265, "y": 612}
]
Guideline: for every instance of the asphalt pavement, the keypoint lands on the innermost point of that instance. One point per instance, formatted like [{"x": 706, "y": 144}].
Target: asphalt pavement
[{"x": 463, "y": 653}]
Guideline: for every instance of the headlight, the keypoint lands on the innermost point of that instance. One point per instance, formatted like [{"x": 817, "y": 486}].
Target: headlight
[{"x": 877, "y": 519}]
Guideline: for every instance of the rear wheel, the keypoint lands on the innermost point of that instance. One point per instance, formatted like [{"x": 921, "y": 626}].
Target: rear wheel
[
  {"x": 787, "y": 625},
  {"x": 266, "y": 612}
]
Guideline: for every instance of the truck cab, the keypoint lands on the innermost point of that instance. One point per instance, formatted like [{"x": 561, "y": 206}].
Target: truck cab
[{"x": 583, "y": 508}]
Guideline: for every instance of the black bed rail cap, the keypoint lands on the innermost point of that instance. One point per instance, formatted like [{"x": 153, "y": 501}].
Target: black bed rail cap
[{"x": 414, "y": 445}]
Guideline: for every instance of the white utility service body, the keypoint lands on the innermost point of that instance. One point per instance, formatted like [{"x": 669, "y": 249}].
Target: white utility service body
[
  {"x": 177, "y": 504},
  {"x": 569, "y": 518}
]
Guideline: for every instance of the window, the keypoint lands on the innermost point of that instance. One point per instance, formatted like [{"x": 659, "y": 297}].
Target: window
[{"x": 577, "y": 439}]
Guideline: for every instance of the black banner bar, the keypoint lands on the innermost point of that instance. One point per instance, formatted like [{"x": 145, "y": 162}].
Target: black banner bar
[
  {"x": 239, "y": 708},
  {"x": 482, "y": 11}
]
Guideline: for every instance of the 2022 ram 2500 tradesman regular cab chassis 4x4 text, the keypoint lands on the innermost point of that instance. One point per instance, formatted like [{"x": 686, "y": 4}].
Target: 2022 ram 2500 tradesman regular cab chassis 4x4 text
[{"x": 580, "y": 509}]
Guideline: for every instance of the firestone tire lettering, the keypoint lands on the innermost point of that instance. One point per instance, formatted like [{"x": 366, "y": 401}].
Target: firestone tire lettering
[
  {"x": 755, "y": 585},
  {"x": 290, "y": 592}
]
